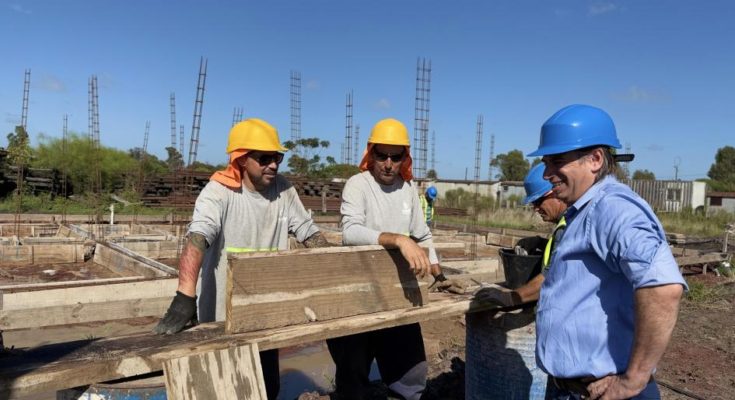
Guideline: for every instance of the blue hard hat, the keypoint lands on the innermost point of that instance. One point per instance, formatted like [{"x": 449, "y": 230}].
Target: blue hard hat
[
  {"x": 576, "y": 127},
  {"x": 431, "y": 192},
  {"x": 535, "y": 184}
]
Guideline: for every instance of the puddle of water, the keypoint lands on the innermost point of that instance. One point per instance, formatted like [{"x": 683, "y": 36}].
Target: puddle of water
[{"x": 308, "y": 369}]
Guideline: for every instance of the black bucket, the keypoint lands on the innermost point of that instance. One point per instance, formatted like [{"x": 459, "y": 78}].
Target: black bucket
[{"x": 519, "y": 269}]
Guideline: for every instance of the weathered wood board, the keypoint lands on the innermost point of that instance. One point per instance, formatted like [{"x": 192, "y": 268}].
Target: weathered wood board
[
  {"x": 72, "y": 364},
  {"x": 300, "y": 286},
  {"x": 228, "y": 374},
  {"x": 89, "y": 303}
]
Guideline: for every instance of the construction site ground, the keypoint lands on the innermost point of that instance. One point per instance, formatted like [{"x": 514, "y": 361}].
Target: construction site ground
[{"x": 699, "y": 364}]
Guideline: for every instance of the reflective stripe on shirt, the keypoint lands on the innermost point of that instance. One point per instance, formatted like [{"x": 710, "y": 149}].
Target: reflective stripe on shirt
[
  {"x": 552, "y": 242},
  {"x": 248, "y": 250}
]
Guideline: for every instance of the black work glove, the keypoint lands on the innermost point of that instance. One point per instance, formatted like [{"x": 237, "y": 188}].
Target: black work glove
[
  {"x": 182, "y": 311},
  {"x": 496, "y": 296}
]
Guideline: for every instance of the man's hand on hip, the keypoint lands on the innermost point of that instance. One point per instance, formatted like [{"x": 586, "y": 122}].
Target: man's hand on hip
[
  {"x": 616, "y": 387},
  {"x": 182, "y": 311}
]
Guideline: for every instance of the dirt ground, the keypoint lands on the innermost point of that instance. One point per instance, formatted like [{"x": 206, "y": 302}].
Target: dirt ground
[{"x": 699, "y": 363}]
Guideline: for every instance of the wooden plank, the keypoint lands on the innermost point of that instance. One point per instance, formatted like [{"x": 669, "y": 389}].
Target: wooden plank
[
  {"x": 702, "y": 259},
  {"x": 67, "y": 365},
  {"x": 309, "y": 285},
  {"x": 109, "y": 255},
  {"x": 61, "y": 284},
  {"x": 165, "y": 269},
  {"x": 100, "y": 293},
  {"x": 84, "y": 312},
  {"x": 228, "y": 374}
]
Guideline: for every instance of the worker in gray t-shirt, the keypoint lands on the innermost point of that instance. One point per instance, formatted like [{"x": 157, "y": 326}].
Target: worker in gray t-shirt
[
  {"x": 244, "y": 208},
  {"x": 381, "y": 206}
]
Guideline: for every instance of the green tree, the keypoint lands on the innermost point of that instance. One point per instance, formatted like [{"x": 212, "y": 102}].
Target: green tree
[
  {"x": 431, "y": 174},
  {"x": 513, "y": 166},
  {"x": 644, "y": 175},
  {"x": 722, "y": 172},
  {"x": 116, "y": 167},
  {"x": 305, "y": 159},
  {"x": 19, "y": 147},
  {"x": 174, "y": 159}
]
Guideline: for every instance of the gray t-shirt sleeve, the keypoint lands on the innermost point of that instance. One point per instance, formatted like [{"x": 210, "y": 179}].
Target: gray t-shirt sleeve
[
  {"x": 354, "y": 219},
  {"x": 208, "y": 211},
  {"x": 419, "y": 230},
  {"x": 300, "y": 223}
]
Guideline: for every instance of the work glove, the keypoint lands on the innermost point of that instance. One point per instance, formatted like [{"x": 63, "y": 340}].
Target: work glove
[
  {"x": 496, "y": 296},
  {"x": 182, "y": 311},
  {"x": 442, "y": 284}
]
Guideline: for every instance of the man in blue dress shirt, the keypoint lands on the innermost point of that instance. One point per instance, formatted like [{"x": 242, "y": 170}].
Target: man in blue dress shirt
[{"x": 608, "y": 304}]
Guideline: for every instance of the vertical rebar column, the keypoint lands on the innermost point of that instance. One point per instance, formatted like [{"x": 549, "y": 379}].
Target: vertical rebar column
[
  {"x": 357, "y": 145},
  {"x": 475, "y": 198},
  {"x": 173, "y": 119},
  {"x": 348, "y": 128},
  {"x": 433, "y": 151},
  {"x": 198, "y": 105},
  {"x": 295, "y": 106},
  {"x": 26, "y": 94},
  {"x": 97, "y": 156},
  {"x": 421, "y": 119},
  {"x": 64, "y": 166},
  {"x": 492, "y": 157},
  {"x": 90, "y": 112},
  {"x": 181, "y": 141}
]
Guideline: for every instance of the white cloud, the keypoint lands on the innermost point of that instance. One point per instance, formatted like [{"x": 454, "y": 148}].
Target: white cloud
[
  {"x": 601, "y": 8},
  {"x": 313, "y": 85},
  {"x": 52, "y": 84},
  {"x": 19, "y": 9},
  {"x": 382, "y": 104},
  {"x": 636, "y": 94}
]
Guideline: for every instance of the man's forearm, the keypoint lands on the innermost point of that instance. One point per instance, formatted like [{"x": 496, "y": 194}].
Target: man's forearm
[
  {"x": 390, "y": 240},
  {"x": 530, "y": 291},
  {"x": 656, "y": 310},
  {"x": 190, "y": 262}
]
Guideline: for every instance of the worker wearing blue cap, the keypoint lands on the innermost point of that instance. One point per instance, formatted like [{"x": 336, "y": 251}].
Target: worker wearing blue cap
[
  {"x": 427, "y": 204},
  {"x": 609, "y": 302}
]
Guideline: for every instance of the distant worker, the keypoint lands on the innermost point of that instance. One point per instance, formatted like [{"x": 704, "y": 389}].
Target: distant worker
[
  {"x": 427, "y": 204},
  {"x": 540, "y": 194},
  {"x": 609, "y": 302},
  {"x": 245, "y": 208},
  {"x": 381, "y": 206}
]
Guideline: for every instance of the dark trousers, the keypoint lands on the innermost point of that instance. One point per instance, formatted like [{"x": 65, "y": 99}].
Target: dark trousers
[
  {"x": 271, "y": 373},
  {"x": 650, "y": 392},
  {"x": 396, "y": 351}
]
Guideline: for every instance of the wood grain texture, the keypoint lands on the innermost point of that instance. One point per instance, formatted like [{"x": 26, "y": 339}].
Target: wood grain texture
[
  {"x": 73, "y": 364},
  {"x": 227, "y": 374},
  {"x": 310, "y": 285}
]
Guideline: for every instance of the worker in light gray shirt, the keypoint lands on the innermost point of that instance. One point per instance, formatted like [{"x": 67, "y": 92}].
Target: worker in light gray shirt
[
  {"x": 245, "y": 208},
  {"x": 381, "y": 206}
]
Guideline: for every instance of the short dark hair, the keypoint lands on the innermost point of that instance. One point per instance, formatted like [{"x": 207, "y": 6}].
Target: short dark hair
[{"x": 609, "y": 165}]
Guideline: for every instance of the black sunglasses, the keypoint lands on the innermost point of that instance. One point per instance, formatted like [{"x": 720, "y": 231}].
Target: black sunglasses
[
  {"x": 393, "y": 157},
  {"x": 267, "y": 158},
  {"x": 537, "y": 202}
]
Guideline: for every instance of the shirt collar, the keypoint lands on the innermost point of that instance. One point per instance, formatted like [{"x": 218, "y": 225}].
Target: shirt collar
[{"x": 588, "y": 195}]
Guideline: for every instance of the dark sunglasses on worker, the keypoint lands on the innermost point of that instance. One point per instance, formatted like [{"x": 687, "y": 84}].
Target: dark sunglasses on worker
[
  {"x": 267, "y": 158},
  {"x": 393, "y": 157}
]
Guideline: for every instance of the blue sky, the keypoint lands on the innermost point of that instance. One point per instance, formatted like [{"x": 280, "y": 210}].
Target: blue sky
[{"x": 664, "y": 70}]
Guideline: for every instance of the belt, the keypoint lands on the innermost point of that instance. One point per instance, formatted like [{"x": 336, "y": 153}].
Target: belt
[{"x": 576, "y": 385}]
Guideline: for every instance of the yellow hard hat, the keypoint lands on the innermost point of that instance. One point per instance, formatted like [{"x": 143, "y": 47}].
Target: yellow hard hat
[
  {"x": 254, "y": 134},
  {"x": 389, "y": 131}
]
